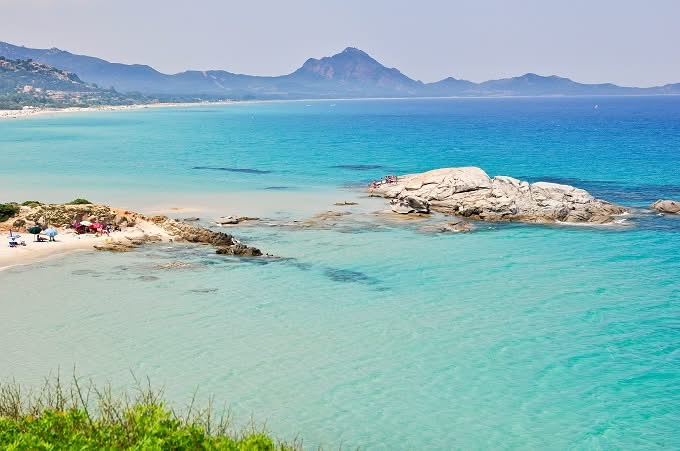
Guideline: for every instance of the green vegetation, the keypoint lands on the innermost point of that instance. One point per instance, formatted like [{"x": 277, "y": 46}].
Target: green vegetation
[
  {"x": 79, "y": 201},
  {"x": 26, "y": 83},
  {"x": 31, "y": 203},
  {"x": 91, "y": 419},
  {"x": 7, "y": 211}
]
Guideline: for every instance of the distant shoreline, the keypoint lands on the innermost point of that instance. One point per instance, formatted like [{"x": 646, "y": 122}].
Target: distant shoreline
[{"x": 32, "y": 112}]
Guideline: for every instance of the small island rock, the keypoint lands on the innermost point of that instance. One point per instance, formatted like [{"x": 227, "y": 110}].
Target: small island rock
[
  {"x": 470, "y": 192},
  {"x": 666, "y": 206}
]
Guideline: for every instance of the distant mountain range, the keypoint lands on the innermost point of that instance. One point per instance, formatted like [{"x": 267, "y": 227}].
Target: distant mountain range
[{"x": 349, "y": 74}]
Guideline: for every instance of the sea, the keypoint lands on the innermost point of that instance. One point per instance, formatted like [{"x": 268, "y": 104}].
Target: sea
[{"x": 365, "y": 331}]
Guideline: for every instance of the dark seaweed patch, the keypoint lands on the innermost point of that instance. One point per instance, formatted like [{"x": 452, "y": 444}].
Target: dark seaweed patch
[
  {"x": 346, "y": 275},
  {"x": 241, "y": 170},
  {"x": 295, "y": 264},
  {"x": 147, "y": 278},
  {"x": 203, "y": 290},
  {"x": 277, "y": 188},
  {"x": 86, "y": 272}
]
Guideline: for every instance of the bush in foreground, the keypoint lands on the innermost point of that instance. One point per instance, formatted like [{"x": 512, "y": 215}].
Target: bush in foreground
[{"x": 57, "y": 418}]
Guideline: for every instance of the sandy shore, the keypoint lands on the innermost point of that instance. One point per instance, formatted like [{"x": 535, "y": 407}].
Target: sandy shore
[
  {"x": 67, "y": 241},
  {"x": 30, "y": 112},
  {"x": 38, "y": 251}
]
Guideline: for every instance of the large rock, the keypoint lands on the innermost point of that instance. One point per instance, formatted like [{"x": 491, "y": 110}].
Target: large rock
[
  {"x": 470, "y": 192},
  {"x": 666, "y": 206}
]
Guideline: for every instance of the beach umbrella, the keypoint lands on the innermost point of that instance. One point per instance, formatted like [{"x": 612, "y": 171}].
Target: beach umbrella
[
  {"x": 51, "y": 232},
  {"x": 13, "y": 236},
  {"x": 35, "y": 230},
  {"x": 98, "y": 225},
  {"x": 86, "y": 223}
]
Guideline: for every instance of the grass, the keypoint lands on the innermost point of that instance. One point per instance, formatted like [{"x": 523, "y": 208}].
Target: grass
[{"x": 87, "y": 418}]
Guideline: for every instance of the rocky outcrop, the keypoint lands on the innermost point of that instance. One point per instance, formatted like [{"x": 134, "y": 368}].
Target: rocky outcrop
[
  {"x": 409, "y": 204},
  {"x": 239, "y": 250},
  {"x": 666, "y": 206},
  {"x": 225, "y": 243},
  {"x": 130, "y": 229},
  {"x": 471, "y": 193}
]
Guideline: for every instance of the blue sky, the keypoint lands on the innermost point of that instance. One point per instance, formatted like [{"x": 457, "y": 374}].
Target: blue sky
[{"x": 626, "y": 42}]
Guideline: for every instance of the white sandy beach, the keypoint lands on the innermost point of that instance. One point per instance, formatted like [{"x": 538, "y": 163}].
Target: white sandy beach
[
  {"x": 67, "y": 241},
  {"x": 30, "y": 112},
  {"x": 37, "y": 251}
]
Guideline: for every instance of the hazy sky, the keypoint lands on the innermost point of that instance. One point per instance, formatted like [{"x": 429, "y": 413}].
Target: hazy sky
[{"x": 629, "y": 42}]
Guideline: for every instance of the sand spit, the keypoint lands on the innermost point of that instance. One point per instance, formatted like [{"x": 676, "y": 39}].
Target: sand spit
[{"x": 126, "y": 231}]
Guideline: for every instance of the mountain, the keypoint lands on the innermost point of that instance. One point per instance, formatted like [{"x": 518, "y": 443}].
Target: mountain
[
  {"x": 351, "y": 73},
  {"x": 452, "y": 87},
  {"x": 30, "y": 83},
  {"x": 537, "y": 85},
  {"x": 354, "y": 71},
  {"x": 17, "y": 74},
  {"x": 123, "y": 77}
]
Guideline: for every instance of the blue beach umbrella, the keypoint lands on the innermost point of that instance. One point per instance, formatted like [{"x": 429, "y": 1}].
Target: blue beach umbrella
[
  {"x": 51, "y": 232},
  {"x": 35, "y": 230}
]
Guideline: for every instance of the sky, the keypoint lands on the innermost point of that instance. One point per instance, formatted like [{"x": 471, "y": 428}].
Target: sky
[{"x": 628, "y": 42}]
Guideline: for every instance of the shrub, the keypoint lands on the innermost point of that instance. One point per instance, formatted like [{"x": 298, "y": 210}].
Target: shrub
[
  {"x": 79, "y": 201},
  {"x": 7, "y": 211},
  {"x": 19, "y": 223},
  {"x": 31, "y": 203},
  {"x": 91, "y": 418}
]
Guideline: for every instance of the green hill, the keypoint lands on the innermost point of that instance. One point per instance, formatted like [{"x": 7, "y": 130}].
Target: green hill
[{"x": 29, "y": 83}]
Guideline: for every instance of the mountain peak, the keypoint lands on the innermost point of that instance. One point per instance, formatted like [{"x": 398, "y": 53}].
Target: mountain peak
[
  {"x": 355, "y": 51},
  {"x": 355, "y": 66}
]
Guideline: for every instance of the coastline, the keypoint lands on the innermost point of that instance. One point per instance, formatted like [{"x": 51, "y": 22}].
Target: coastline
[
  {"x": 35, "y": 252},
  {"x": 68, "y": 242},
  {"x": 132, "y": 230},
  {"x": 32, "y": 112}
]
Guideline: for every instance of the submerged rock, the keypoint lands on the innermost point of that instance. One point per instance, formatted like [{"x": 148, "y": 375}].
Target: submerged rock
[
  {"x": 450, "y": 227},
  {"x": 173, "y": 265},
  {"x": 239, "y": 250},
  {"x": 232, "y": 220},
  {"x": 470, "y": 192},
  {"x": 666, "y": 206},
  {"x": 116, "y": 246}
]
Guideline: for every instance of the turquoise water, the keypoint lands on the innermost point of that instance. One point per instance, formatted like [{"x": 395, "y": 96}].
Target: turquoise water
[{"x": 370, "y": 333}]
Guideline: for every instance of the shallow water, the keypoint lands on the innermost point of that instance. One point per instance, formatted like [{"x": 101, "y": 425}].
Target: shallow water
[{"x": 370, "y": 333}]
